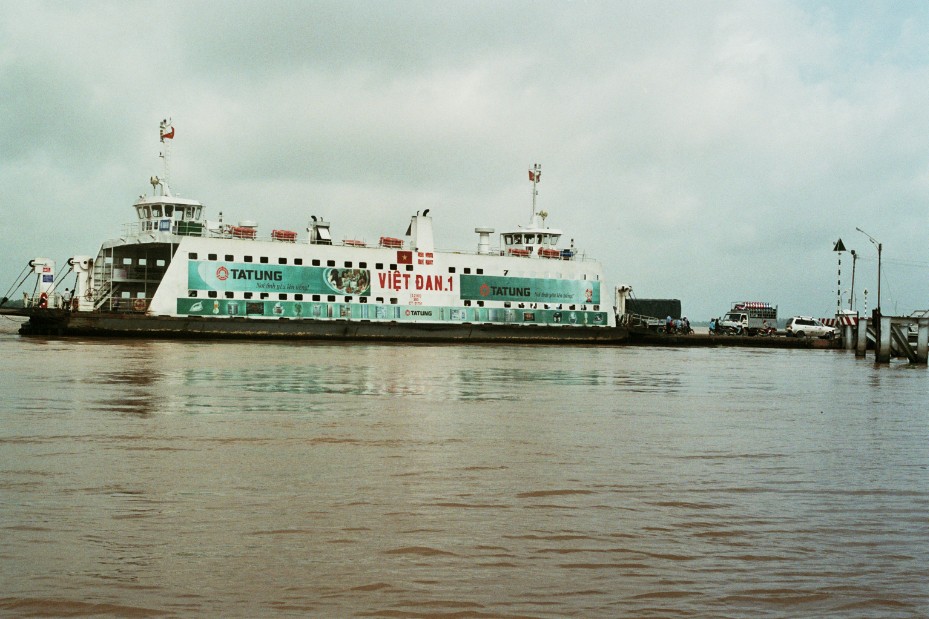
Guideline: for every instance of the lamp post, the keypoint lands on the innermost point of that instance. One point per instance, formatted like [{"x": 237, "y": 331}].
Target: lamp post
[
  {"x": 879, "y": 247},
  {"x": 851, "y": 295}
]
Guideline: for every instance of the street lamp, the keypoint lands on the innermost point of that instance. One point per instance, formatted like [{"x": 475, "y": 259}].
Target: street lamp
[
  {"x": 879, "y": 247},
  {"x": 851, "y": 295}
]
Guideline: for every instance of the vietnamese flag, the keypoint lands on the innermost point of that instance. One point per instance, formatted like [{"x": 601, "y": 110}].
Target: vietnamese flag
[{"x": 404, "y": 257}]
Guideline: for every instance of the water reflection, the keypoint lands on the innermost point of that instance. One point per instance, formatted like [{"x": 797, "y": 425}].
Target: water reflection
[{"x": 232, "y": 479}]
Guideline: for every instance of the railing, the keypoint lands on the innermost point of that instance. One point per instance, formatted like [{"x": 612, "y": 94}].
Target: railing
[
  {"x": 200, "y": 229},
  {"x": 50, "y": 301}
]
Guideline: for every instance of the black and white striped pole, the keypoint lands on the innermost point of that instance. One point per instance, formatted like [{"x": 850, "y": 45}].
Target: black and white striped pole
[{"x": 839, "y": 248}]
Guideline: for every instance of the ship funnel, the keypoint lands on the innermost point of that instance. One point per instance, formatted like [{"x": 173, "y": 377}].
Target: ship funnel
[{"x": 421, "y": 232}]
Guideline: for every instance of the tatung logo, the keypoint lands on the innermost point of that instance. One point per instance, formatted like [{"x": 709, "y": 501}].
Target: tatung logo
[
  {"x": 222, "y": 274},
  {"x": 485, "y": 290}
]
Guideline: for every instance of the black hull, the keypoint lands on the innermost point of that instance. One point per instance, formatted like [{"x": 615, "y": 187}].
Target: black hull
[{"x": 55, "y": 322}]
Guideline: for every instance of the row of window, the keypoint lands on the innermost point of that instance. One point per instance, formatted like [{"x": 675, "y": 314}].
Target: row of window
[
  {"x": 348, "y": 264},
  {"x": 213, "y": 294},
  {"x": 175, "y": 211},
  {"x": 283, "y": 296},
  {"x": 108, "y": 260}
]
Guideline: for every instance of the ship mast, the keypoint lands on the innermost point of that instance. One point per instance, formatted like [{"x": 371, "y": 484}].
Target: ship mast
[
  {"x": 165, "y": 132},
  {"x": 535, "y": 175}
]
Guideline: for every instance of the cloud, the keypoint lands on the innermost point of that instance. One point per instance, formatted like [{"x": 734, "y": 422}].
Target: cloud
[{"x": 705, "y": 151}]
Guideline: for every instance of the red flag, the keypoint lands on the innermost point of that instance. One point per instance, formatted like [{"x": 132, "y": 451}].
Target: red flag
[
  {"x": 169, "y": 135},
  {"x": 531, "y": 175},
  {"x": 535, "y": 176},
  {"x": 404, "y": 257}
]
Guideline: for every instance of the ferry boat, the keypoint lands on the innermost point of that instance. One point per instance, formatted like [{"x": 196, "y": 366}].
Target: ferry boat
[{"x": 175, "y": 273}]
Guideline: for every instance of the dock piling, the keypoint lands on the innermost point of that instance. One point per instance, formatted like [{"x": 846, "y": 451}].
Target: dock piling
[
  {"x": 922, "y": 341},
  {"x": 861, "y": 342},
  {"x": 894, "y": 336}
]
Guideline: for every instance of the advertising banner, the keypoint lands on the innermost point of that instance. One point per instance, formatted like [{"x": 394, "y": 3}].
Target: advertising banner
[
  {"x": 529, "y": 290},
  {"x": 250, "y": 277}
]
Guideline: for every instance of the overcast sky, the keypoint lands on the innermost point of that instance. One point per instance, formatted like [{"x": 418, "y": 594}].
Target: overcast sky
[{"x": 706, "y": 151}]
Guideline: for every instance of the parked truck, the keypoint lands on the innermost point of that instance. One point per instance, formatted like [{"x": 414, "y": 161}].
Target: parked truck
[{"x": 749, "y": 318}]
